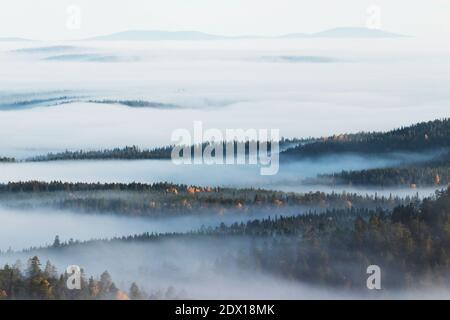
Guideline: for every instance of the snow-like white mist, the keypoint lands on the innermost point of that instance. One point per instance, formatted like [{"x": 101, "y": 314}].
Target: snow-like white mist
[
  {"x": 367, "y": 85},
  {"x": 23, "y": 229},
  {"x": 194, "y": 269},
  {"x": 289, "y": 177}
]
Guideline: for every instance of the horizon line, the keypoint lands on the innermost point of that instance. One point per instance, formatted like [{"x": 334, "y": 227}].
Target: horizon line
[{"x": 225, "y": 37}]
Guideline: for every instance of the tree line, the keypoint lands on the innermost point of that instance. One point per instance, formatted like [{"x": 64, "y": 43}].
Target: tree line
[
  {"x": 126, "y": 153},
  {"x": 418, "y": 137},
  {"x": 435, "y": 172},
  {"x": 161, "y": 153},
  {"x": 410, "y": 243},
  {"x": 7, "y": 159},
  {"x": 163, "y": 199},
  {"x": 45, "y": 283},
  {"x": 389, "y": 177}
]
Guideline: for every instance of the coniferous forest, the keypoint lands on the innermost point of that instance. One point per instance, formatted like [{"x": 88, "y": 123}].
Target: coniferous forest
[
  {"x": 211, "y": 151},
  {"x": 43, "y": 282},
  {"x": 322, "y": 239},
  {"x": 305, "y": 248}
]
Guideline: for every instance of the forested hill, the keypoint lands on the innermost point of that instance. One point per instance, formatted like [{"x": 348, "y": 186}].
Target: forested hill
[
  {"x": 430, "y": 173},
  {"x": 410, "y": 243},
  {"x": 55, "y": 186},
  {"x": 388, "y": 177},
  {"x": 45, "y": 283},
  {"x": 164, "y": 199},
  {"x": 416, "y": 138},
  {"x": 5, "y": 159},
  {"x": 161, "y": 153},
  {"x": 126, "y": 153}
]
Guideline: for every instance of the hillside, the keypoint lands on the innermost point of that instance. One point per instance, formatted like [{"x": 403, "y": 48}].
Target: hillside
[{"x": 424, "y": 136}]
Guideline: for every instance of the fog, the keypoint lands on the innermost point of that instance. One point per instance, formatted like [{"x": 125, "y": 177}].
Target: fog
[
  {"x": 51, "y": 100},
  {"x": 195, "y": 270},
  {"x": 290, "y": 176},
  {"x": 420, "y": 192},
  {"x": 365, "y": 85},
  {"x": 25, "y": 228},
  {"x": 190, "y": 267}
]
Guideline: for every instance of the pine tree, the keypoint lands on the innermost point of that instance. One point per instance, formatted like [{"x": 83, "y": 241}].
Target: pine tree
[
  {"x": 56, "y": 242},
  {"x": 50, "y": 271},
  {"x": 34, "y": 267},
  {"x": 135, "y": 292},
  {"x": 105, "y": 284},
  {"x": 34, "y": 274}
]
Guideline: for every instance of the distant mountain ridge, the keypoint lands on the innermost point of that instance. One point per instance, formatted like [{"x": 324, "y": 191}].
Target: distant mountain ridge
[
  {"x": 155, "y": 35},
  {"x": 152, "y": 35}
]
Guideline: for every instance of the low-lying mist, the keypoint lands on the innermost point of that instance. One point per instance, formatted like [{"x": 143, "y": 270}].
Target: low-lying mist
[
  {"x": 195, "y": 269},
  {"x": 291, "y": 173},
  {"x": 382, "y": 87},
  {"x": 26, "y": 228}
]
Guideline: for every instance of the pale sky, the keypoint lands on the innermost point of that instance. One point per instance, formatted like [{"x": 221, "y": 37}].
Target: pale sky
[{"x": 47, "y": 19}]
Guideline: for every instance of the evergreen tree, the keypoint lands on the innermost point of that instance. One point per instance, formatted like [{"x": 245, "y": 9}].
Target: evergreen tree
[{"x": 135, "y": 292}]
